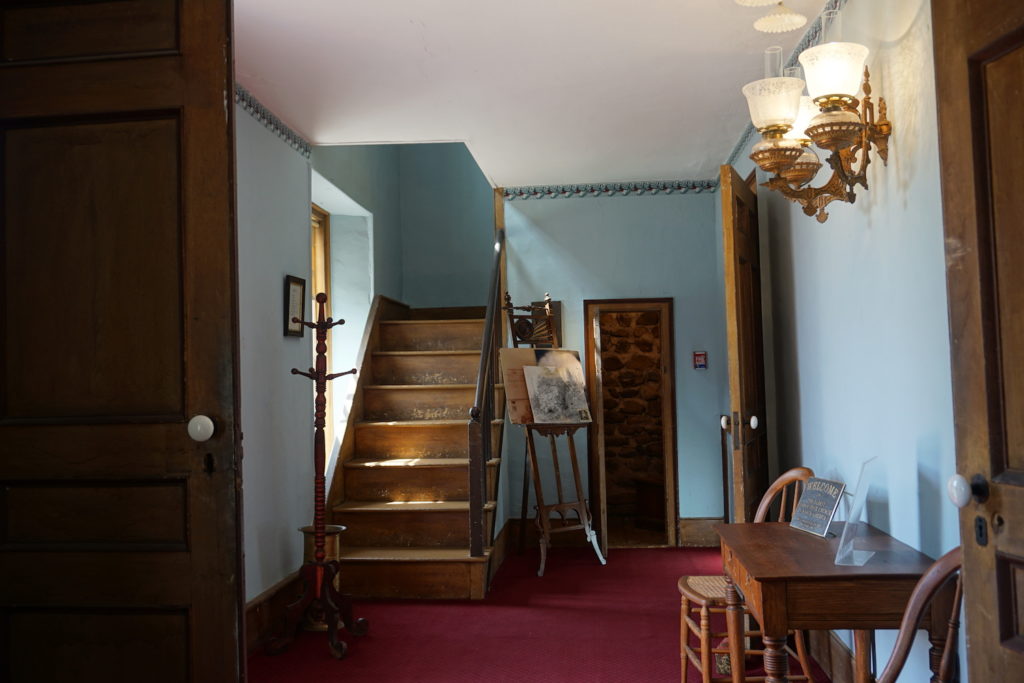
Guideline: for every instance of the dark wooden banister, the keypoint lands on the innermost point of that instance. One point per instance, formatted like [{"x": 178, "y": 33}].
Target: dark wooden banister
[{"x": 482, "y": 413}]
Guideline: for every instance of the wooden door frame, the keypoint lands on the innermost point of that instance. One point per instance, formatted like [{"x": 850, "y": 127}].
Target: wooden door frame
[
  {"x": 976, "y": 216},
  {"x": 592, "y": 308},
  {"x": 744, "y": 502},
  {"x": 319, "y": 215}
]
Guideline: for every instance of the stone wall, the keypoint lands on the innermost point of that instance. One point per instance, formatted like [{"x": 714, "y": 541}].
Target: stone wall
[{"x": 632, "y": 392}]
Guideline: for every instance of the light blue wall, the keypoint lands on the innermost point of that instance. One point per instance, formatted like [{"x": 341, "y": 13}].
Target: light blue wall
[
  {"x": 273, "y": 194},
  {"x": 447, "y": 209},
  {"x": 369, "y": 174},
  {"x": 433, "y": 218},
  {"x": 351, "y": 297},
  {"x": 633, "y": 247},
  {"x": 861, "y": 339}
]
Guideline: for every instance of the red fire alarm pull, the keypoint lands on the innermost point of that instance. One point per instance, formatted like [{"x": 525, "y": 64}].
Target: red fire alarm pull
[{"x": 700, "y": 360}]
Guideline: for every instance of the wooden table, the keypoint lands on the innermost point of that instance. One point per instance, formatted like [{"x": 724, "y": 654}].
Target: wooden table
[{"x": 788, "y": 580}]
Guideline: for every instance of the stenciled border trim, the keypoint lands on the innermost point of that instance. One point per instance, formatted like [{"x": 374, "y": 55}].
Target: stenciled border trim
[
  {"x": 611, "y": 189},
  {"x": 258, "y": 111},
  {"x": 811, "y": 37}
]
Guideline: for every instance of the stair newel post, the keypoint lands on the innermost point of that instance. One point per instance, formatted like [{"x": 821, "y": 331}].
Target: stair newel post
[{"x": 320, "y": 596}]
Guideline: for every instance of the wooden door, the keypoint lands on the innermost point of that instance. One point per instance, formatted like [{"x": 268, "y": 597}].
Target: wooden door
[
  {"x": 979, "y": 61},
  {"x": 746, "y": 356},
  {"x": 644, "y": 331},
  {"x": 119, "y": 534}
]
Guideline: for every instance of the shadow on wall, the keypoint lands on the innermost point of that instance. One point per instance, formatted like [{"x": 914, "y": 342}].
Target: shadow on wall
[
  {"x": 931, "y": 496},
  {"x": 782, "y": 326}
]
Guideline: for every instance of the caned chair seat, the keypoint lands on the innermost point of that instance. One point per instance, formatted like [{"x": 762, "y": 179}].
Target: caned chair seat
[{"x": 703, "y": 590}]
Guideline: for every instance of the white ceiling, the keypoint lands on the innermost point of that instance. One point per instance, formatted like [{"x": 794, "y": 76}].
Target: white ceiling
[{"x": 543, "y": 92}]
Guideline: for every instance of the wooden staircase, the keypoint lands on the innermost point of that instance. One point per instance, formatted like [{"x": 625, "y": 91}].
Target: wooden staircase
[{"x": 402, "y": 483}]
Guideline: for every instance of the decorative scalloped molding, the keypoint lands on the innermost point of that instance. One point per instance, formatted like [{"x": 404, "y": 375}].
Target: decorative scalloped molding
[
  {"x": 811, "y": 37},
  {"x": 258, "y": 111},
  {"x": 611, "y": 189}
]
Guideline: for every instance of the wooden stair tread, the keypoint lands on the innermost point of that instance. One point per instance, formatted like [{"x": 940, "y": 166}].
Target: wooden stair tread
[
  {"x": 385, "y": 554},
  {"x": 448, "y": 352},
  {"x": 422, "y": 423},
  {"x": 408, "y": 506},
  {"x": 424, "y": 387},
  {"x": 458, "y": 321},
  {"x": 400, "y": 463}
]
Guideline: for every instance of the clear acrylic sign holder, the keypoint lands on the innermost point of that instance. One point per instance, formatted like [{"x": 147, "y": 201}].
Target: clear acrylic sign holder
[{"x": 847, "y": 555}]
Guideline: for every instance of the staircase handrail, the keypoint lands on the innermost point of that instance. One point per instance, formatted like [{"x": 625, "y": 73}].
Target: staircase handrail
[{"x": 481, "y": 415}]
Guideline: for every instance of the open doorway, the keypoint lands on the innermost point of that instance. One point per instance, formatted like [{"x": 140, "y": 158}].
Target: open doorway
[{"x": 632, "y": 445}]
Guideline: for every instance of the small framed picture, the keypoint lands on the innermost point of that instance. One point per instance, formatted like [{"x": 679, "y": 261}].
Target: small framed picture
[{"x": 294, "y": 305}]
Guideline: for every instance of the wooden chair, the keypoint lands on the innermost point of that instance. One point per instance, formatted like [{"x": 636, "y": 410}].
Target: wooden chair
[
  {"x": 934, "y": 579},
  {"x": 532, "y": 326},
  {"x": 705, "y": 595}
]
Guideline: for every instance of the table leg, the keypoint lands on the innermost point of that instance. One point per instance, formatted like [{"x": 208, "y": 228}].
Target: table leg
[
  {"x": 776, "y": 661},
  {"x": 734, "y": 623},
  {"x": 862, "y": 657}
]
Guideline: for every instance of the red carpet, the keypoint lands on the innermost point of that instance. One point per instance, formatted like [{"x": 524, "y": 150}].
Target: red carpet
[{"x": 579, "y": 622}]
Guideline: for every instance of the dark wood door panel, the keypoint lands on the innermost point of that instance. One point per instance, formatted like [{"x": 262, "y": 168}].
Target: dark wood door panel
[
  {"x": 1001, "y": 78},
  {"x": 93, "y": 579},
  {"x": 88, "y": 645},
  {"x": 60, "y": 514},
  {"x": 98, "y": 203},
  {"x": 56, "y": 31},
  {"x": 68, "y": 452},
  {"x": 156, "y": 83}
]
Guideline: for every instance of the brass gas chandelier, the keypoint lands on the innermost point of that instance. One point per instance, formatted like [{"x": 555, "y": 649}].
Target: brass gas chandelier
[{"x": 830, "y": 116}]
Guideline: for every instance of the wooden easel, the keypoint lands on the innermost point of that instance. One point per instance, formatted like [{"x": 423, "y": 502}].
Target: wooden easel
[
  {"x": 321, "y": 601},
  {"x": 579, "y": 505}
]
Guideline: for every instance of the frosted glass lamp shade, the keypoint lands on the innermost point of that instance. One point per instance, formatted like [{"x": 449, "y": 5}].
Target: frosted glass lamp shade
[
  {"x": 834, "y": 68},
  {"x": 780, "y": 20},
  {"x": 773, "y": 101},
  {"x": 807, "y": 111}
]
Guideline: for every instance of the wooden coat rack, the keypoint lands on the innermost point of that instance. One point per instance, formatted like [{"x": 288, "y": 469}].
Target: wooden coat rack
[{"x": 320, "y": 600}]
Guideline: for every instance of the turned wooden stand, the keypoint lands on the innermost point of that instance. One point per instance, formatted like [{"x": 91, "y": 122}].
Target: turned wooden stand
[
  {"x": 579, "y": 506},
  {"x": 321, "y": 601}
]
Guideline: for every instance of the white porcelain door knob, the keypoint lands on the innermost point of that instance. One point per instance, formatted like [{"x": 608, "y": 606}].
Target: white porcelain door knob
[
  {"x": 959, "y": 490},
  {"x": 200, "y": 428},
  {"x": 725, "y": 422},
  {"x": 754, "y": 422}
]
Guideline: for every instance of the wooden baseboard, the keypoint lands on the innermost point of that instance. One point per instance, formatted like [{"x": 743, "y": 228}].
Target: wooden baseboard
[
  {"x": 499, "y": 551},
  {"x": 832, "y": 655},
  {"x": 698, "y": 532},
  {"x": 264, "y": 614}
]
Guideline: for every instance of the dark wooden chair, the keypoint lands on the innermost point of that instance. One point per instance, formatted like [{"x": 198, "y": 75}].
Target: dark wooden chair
[
  {"x": 532, "y": 326},
  {"x": 702, "y": 596},
  {"x": 934, "y": 579}
]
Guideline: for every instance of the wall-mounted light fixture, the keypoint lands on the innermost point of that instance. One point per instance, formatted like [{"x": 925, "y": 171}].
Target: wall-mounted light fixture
[{"x": 830, "y": 116}]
